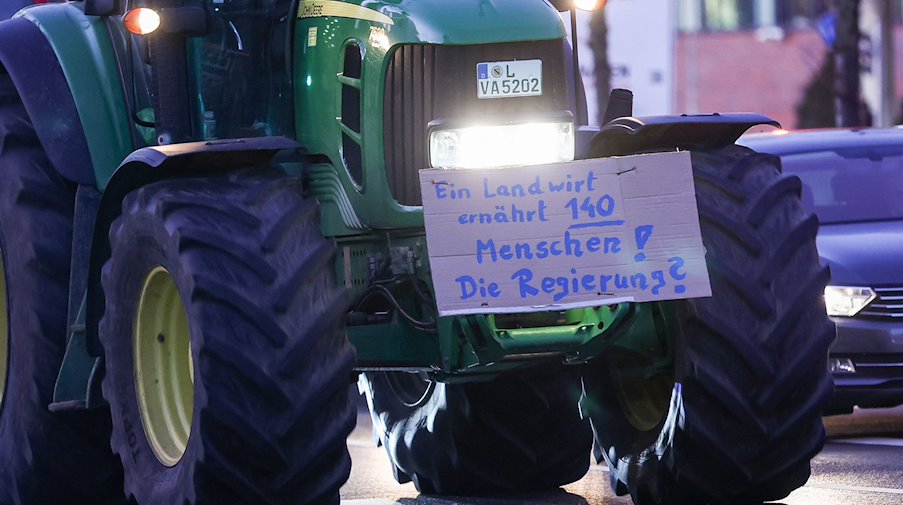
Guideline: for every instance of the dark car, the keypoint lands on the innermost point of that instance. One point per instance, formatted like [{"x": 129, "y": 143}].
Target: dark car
[{"x": 853, "y": 182}]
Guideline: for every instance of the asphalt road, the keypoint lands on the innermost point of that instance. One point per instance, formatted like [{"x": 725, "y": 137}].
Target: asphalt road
[{"x": 862, "y": 464}]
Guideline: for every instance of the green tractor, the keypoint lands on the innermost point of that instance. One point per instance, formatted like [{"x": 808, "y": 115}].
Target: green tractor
[{"x": 211, "y": 225}]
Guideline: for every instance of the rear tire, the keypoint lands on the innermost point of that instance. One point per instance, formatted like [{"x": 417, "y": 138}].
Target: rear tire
[
  {"x": 739, "y": 416},
  {"x": 46, "y": 458},
  {"x": 268, "y": 365},
  {"x": 518, "y": 432}
]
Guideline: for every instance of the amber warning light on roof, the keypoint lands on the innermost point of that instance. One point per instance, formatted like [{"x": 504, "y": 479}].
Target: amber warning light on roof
[
  {"x": 141, "y": 21},
  {"x": 589, "y": 5}
]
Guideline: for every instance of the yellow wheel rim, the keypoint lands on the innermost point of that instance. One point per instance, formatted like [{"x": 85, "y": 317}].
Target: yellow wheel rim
[
  {"x": 645, "y": 401},
  {"x": 164, "y": 369},
  {"x": 4, "y": 331}
]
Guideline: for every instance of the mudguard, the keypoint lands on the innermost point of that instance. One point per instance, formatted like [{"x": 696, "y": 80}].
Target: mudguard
[
  {"x": 66, "y": 68},
  {"x": 27, "y": 57},
  {"x": 631, "y": 135},
  {"x": 151, "y": 164}
]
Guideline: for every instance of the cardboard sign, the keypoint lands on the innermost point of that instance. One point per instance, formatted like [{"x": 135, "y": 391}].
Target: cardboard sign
[{"x": 566, "y": 235}]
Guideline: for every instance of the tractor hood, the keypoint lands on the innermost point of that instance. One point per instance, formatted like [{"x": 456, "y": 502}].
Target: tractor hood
[{"x": 461, "y": 22}]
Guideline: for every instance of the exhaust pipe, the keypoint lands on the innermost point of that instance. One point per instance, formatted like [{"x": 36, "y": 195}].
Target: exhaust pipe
[{"x": 620, "y": 104}]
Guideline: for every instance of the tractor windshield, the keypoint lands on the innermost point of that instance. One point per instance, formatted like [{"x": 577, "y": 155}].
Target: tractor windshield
[{"x": 244, "y": 81}]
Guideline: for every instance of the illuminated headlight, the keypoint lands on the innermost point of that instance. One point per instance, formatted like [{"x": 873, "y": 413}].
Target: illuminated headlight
[
  {"x": 499, "y": 146},
  {"x": 841, "y": 365},
  {"x": 846, "y": 300}
]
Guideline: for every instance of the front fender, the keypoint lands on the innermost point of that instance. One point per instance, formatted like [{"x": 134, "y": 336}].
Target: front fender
[
  {"x": 630, "y": 135},
  {"x": 82, "y": 50},
  {"x": 152, "y": 164},
  {"x": 28, "y": 59}
]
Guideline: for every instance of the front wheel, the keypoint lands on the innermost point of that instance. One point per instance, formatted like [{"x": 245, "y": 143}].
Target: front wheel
[
  {"x": 737, "y": 417},
  {"x": 227, "y": 364},
  {"x": 46, "y": 458},
  {"x": 521, "y": 431}
]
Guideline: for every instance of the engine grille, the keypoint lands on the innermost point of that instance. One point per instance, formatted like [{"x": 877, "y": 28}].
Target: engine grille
[
  {"x": 408, "y": 107},
  {"x": 434, "y": 82},
  {"x": 887, "y": 304}
]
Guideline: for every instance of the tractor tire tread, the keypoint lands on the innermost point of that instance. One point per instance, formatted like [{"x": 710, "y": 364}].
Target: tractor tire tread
[
  {"x": 751, "y": 383},
  {"x": 518, "y": 432},
  {"x": 265, "y": 421},
  {"x": 69, "y": 449}
]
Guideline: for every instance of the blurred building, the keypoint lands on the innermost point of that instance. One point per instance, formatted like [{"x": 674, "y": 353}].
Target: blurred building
[
  {"x": 760, "y": 55},
  {"x": 639, "y": 43}
]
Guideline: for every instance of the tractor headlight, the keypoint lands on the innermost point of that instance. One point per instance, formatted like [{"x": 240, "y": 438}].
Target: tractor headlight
[
  {"x": 502, "y": 145},
  {"x": 847, "y": 300}
]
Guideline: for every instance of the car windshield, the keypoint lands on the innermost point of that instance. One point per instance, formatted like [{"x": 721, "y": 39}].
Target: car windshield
[{"x": 852, "y": 184}]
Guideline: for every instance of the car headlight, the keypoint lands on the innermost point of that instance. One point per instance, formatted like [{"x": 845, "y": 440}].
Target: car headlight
[
  {"x": 502, "y": 145},
  {"x": 847, "y": 300}
]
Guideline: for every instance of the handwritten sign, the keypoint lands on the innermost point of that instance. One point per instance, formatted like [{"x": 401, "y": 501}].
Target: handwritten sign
[{"x": 566, "y": 235}]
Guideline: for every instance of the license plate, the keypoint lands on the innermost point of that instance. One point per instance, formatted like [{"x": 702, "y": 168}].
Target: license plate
[{"x": 506, "y": 79}]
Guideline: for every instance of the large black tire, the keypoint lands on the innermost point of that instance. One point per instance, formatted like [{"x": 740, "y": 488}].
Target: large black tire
[
  {"x": 740, "y": 412},
  {"x": 519, "y": 432},
  {"x": 271, "y": 363},
  {"x": 46, "y": 458}
]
